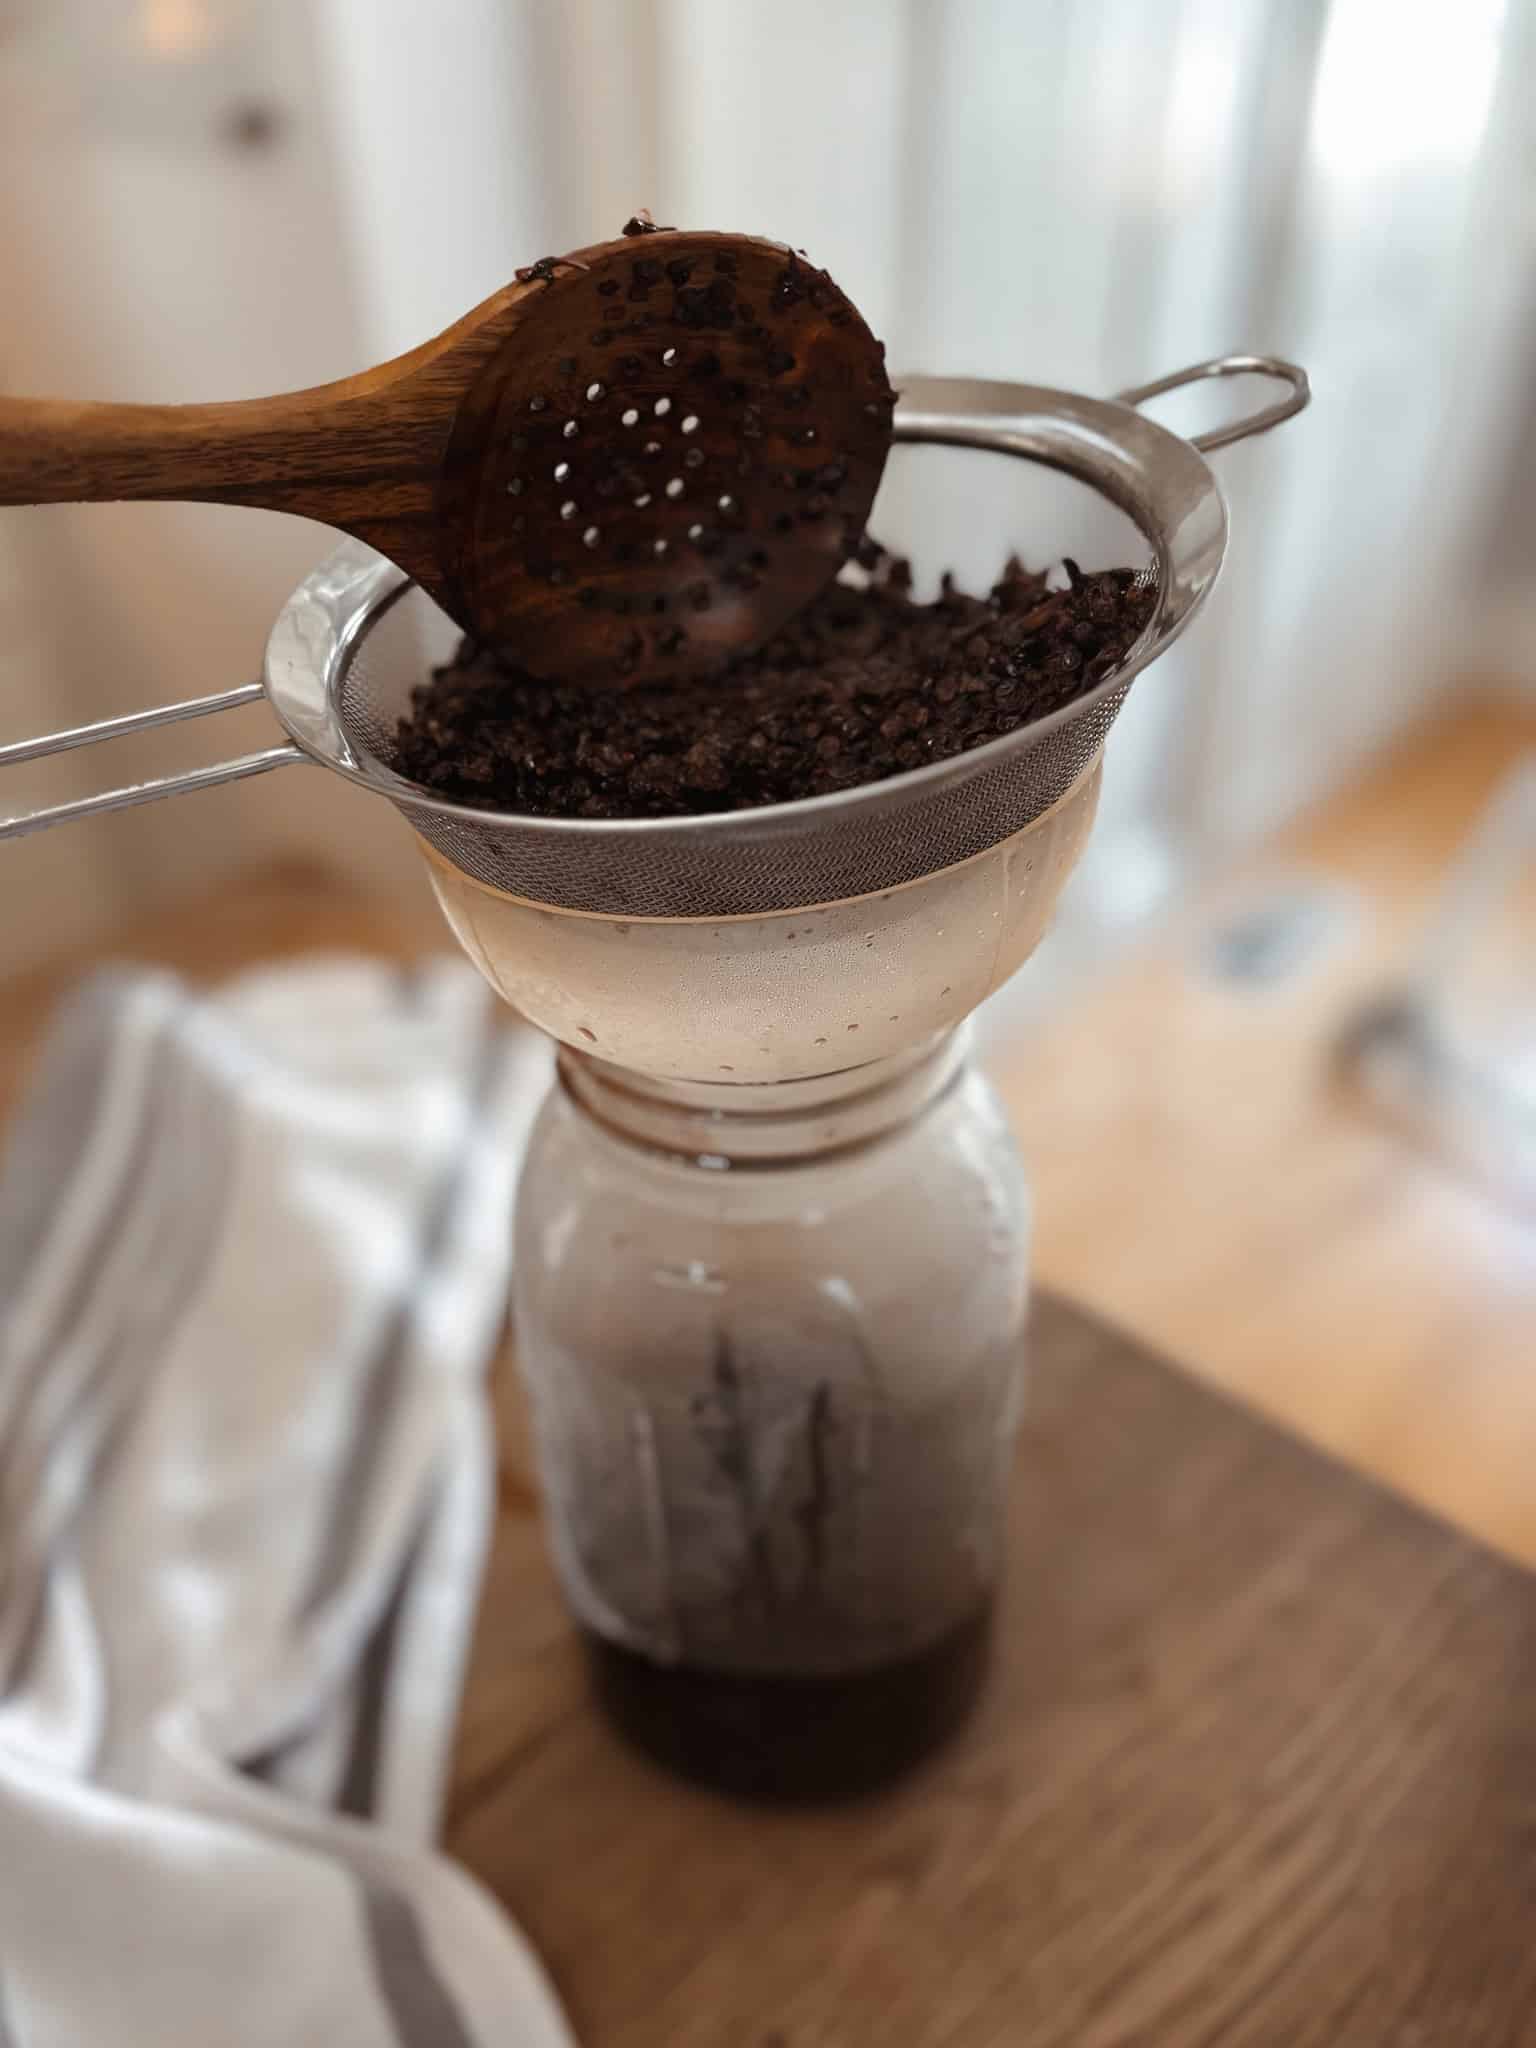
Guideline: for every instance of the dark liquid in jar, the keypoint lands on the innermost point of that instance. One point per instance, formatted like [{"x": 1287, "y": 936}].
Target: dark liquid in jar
[{"x": 793, "y": 1740}]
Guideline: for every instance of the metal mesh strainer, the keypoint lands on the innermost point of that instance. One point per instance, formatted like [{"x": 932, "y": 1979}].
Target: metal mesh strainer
[
  {"x": 739, "y": 864},
  {"x": 356, "y": 638}
]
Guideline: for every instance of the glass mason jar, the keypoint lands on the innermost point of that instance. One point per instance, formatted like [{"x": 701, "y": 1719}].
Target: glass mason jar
[{"x": 772, "y": 1337}]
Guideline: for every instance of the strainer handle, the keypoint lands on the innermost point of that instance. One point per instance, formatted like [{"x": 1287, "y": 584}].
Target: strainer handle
[
  {"x": 1233, "y": 366},
  {"x": 139, "y": 792}
]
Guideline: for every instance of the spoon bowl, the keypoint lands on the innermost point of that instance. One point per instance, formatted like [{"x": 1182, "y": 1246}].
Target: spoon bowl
[{"x": 629, "y": 465}]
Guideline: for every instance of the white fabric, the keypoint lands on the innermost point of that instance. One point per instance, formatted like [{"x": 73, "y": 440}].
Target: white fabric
[
  {"x": 1088, "y": 193},
  {"x": 253, "y": 1261},
  {"x": 1085, "y": 194}
]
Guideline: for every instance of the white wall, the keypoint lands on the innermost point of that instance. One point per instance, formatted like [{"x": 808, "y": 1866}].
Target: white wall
[
  {"x": 147, "y": 258},
  {"x": 1086, "y": 195}
]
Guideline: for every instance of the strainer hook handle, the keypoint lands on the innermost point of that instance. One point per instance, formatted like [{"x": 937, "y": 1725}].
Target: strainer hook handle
[
  {"x": 1297, "y": 400},
  {"x": 123, "y": 799}
]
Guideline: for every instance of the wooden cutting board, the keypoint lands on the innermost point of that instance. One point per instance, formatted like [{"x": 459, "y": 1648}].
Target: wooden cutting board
[{"x": 1257, "y": 1766}]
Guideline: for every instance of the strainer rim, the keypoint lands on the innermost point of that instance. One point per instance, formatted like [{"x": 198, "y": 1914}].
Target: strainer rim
[{"x": 355, "y": 587}]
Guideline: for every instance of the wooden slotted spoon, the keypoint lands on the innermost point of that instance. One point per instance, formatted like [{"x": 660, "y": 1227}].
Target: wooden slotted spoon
[{"x": 631, "y": 464}]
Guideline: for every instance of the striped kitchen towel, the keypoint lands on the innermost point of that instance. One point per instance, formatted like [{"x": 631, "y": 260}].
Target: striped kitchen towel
[{"x": 253, "y": 1263}]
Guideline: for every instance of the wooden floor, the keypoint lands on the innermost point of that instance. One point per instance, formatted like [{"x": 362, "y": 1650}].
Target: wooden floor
[
  {"x": 1202, "y": 1178},
  {"x": 1206, "y": 1180}
]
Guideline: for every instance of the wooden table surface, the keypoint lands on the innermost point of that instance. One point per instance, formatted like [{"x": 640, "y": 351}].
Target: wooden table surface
[
  {"x": 1256, "y": 1768},
  {"x": 1257, "y": 1765}
]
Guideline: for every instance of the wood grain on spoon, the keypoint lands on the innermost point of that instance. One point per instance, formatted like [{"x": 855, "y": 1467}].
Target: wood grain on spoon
[{"x": 632, "y": 462}]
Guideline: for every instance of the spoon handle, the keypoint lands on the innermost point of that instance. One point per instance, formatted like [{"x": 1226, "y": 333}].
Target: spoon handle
[{"x": 351, "y": 454}]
